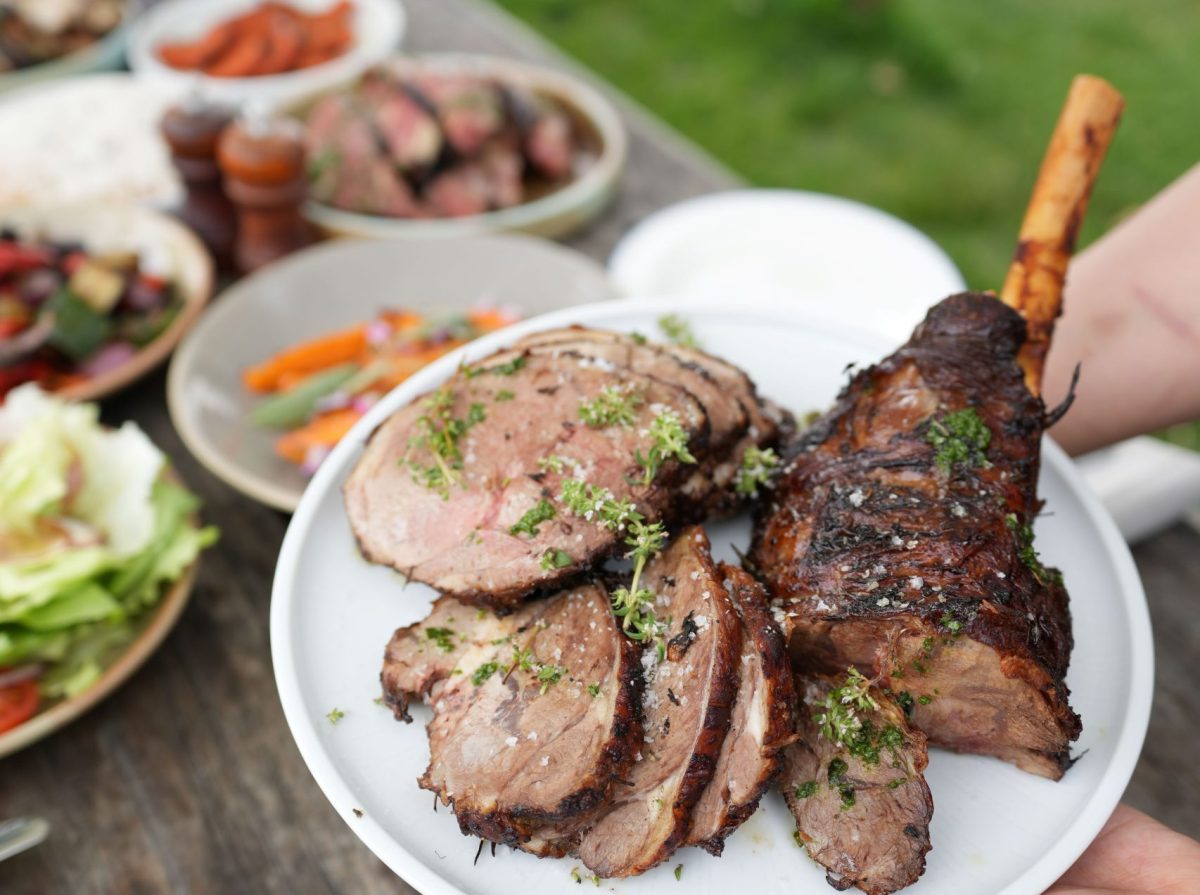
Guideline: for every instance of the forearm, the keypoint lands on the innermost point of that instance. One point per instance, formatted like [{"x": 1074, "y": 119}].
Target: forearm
[{"x": 1132, "y": 320}]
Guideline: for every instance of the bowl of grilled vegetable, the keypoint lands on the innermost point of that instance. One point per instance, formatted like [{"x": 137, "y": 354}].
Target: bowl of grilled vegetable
[
  {"x": 450, "y": 144},
  {"x": 94, "y": 297}
]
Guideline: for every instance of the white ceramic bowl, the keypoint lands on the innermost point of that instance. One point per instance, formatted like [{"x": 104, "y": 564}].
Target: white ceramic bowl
[
  {"x": 330, "y": 287},
  {"x": 834, "y": 258},
  {"x": 555, "y": 214},
  {"x": 995, "y": 830},
  {"x": 379, "y": 27}
]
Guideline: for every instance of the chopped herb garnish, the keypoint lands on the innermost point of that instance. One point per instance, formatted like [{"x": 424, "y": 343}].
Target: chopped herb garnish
[
  {"x": 678, "y": 330},
  {"x": 483, "y": 672},
  {"x": 505, "y": 369},
  {"x": 950, "y": 623},
  {"x": 612, "y": 407},
  {"x": 755, "y": 471},
  {"x": 960, "y": 438},
  {"x": 549, "y": 675},
  {"x": 797, "y": 839},
  {"x": 840, "y": 723},
  {"x": 848, "y": 798},
  {"x": 634, "y": 605},
  {"x": 927, "y": 645},
  {"x": 504, "y": 395},
  {"x": 678, "y": 872},
  {"x": 438, "y": 431},
  {"x": 806, "y": 789},
  {"x": 523, "y": 660},
  {"x": 1023, "y": 535},
  {"x": 668, "y": 439},
  {"x": 905, "y": 701},
  {"x": 335, "y": 715},
  {"x": 594, "y": 690},
  {"x": 542, "y": 511},
  {"x": 442, "y": 637},
  {"x": 924, "y": 700},
  {"x": 554, "y": 559},
  {"x": 897, "y": 782},
  {"x": 553, "y": 463},
  {"x": 596, "y": 504},
  {"x": 638, "y": 338}
]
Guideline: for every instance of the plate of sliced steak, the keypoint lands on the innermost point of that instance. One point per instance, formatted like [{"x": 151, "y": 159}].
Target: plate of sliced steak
[{"x": 997, "y": 829}]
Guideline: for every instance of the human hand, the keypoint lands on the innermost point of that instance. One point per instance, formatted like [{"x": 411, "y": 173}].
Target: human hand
[{"x": 1134, "y": 855}]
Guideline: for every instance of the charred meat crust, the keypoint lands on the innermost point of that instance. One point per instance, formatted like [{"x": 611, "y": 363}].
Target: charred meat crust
[
  {"x": 864, "y": 526},
  {"x": 639, "y": 830},
  {"x": 762, "y": 635},
  {"x": 866, "y": 823},
  {"x": 515, "y": 825},
  {"x": 567, "y": 745}
]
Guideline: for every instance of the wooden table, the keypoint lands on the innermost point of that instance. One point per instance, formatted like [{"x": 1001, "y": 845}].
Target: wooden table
[{"x": 187, "y": 780}]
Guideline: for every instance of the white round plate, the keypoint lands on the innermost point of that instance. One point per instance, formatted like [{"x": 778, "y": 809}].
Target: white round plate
[
  {"x": 834, "y": 258},
  {"x": 995, "y": 829},
  {"x": 330, "y": 287},
  {"x": 378, "y": 25}
]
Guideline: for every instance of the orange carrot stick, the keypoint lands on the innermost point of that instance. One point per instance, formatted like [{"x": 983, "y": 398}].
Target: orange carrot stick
[
  {"x": 322, "y": 431},
  {"x": 326, "y": 351}
]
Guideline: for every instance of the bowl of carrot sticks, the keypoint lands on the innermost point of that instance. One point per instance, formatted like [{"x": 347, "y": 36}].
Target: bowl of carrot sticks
[
  {"x": 270, "y": 50},
  {"x": 288, "y": 360}
]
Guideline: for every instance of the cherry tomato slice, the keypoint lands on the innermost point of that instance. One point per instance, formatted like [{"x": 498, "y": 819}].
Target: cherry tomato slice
[{"x": 18, "y": 704}]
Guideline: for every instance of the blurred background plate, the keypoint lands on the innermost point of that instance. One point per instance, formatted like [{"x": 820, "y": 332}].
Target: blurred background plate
[
  {"x": 832, "y": 258},
  {"x": 555, "y": 214},
  {"x": 84, "y": 139},
  {"x": 106, "y": 53},
  {"x": 379, "y": 27},
  {"x": 166, "y": 249},
  {"x": 330, "y": 287}
]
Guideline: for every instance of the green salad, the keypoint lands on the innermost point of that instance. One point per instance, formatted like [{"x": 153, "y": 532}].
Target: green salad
[{"x": 91, "y": 534}]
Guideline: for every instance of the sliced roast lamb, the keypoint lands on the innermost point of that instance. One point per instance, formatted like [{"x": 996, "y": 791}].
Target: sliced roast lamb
[
  {"x": 535, "y": 715},
  {"x": 688, "y": 698},
  {"x": 465, "y": 489},
  {"x": 740, "y": 419},
  {"x": 854, "y": 782},
  {"x": 761, "y": 725},
  {"x": 898, "y": 540}
]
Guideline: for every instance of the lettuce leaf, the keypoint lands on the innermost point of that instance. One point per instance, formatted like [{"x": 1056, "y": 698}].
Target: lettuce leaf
[{"x": 91, "y": 535}]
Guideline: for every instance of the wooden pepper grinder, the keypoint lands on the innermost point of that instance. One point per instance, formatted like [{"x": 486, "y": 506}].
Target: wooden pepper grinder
[
  {"x": 262, "y": 159},
  {"x": 191, "y": 130}
]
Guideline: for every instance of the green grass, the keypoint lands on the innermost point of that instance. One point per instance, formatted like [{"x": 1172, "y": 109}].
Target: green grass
[{"x": 935, "y": 110}]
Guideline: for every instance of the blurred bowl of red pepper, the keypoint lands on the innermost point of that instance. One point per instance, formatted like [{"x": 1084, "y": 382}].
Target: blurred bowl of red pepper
[{"x": 93, "y": 297}]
